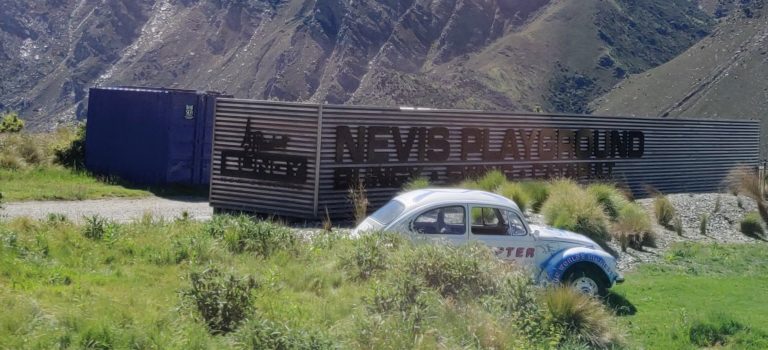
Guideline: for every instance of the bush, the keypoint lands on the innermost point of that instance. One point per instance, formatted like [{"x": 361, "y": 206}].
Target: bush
[
  {"x": 71, "y": 153},
  {"x": 570, "y": 207},
  {"x": 633, "y": 227},
  {"x": 11, "y": 122},
  {"x": 96, "y": 227},
  {"x": 265, "y": 334},
  {"x": 242, "y": 234},
  {"x": 516, "y": 193},
  {"x": 223, "y": 301},
  {"x": 370, "y": 254},
  {"x": 417, "y": 183},
  {"x": 664, "y": 210},
  {"x": 491, "y": 181},
  {"x": 538, "y": 192},
  {"x": 580, "y": 317},
  {"x": 751, "y": 225},
  {"x": 609, "y": 197},
  {"x": 714, "y": 331},
  {"x": 467, "y": 270}
]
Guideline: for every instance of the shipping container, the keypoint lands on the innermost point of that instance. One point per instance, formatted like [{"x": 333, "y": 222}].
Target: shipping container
[
  {"x": 150, "y": 136},
  {"x": 300, "y": 160}
]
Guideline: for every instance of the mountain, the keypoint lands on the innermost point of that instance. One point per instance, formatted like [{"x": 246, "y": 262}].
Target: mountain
[{"x": 552, "y": 55}]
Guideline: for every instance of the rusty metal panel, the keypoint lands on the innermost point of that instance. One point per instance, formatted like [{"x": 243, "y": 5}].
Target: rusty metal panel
[{"x": 386, "y": 147}]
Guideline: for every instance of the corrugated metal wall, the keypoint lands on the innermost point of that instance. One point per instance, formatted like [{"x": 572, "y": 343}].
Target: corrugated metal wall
[{"x": 272, "y": 151}]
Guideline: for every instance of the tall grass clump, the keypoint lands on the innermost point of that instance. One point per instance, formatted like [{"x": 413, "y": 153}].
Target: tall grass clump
[
  {"x": 703, "y": 224},
  {"x": 633, "y": 227},
  {"x": 745, "y": 181},
  {"x": 96, "y": 227},
  {"x": 242, "y": 234},
  {"x": 370, "y": 254},
  {"x": 537, "y": 191},
  {"x": 714, "y": 331},
  {"x": 570, "y": 207},
  {"x": 580, "y": 317},
  {"x": 610, "y": 197},
  {"x": 491, "y": 181},
  {"x": 417, "y": 183},
  {"x": 516, "y": 192},
  {"x": 677, "y": 225},
  {"x": 358, "y": 197},
  {"x": 265, "y": 334},
  {"x": 223, "y": 301},
  {"x": 664, "y": 210},
  {"x": 751, "y": 225}
]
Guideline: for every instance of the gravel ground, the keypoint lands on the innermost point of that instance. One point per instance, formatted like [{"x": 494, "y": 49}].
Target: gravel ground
[{"x": 121, "y": 210}]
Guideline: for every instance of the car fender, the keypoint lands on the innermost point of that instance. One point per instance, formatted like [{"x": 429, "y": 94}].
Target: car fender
[{"x": 553, "y": 269}]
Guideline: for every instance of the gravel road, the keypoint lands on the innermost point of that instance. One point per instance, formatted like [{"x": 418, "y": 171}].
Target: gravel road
[{"x": 121, "y": 210}]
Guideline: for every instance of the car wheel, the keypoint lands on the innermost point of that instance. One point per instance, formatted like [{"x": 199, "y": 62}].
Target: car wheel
[{"x": 587, "y": 281}]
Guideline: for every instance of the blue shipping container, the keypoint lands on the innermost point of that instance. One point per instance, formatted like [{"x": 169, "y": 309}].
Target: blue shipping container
[{"x": 150, "y": 136}]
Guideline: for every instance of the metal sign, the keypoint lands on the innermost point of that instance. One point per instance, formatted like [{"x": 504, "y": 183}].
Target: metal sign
[{"x": 298, "y": 160}]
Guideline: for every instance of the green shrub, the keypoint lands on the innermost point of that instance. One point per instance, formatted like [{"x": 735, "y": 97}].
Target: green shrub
[
  {"x": 370, "y": 254},
  {"x": 491, "y": 181},
  {"x": 223, "y": 301},
  {"x": 538, "y": 192},
  {"x": 71, "y": 153},
  {"x": 714, "y": 331},
  {"x": 703, "y": 224},
  {"x": 609, "y": 197},
  {"x": 265, "y": 334},
  {"x": 664, "y": 210},
  {"x": 11, "y": 123},
  {"x": 417, "y": 183},
  {"x": 579, "y": 317},
  {"x": 572, "y": 208},
  {"x": 242, "y": 234},
  {"x": 751, "y": 225},
  {"x": 470, "y": 270},
  {"x": 516, "y": 193},
  {"x": 96, "y": 227},
  {"x": 633, "y": 227}
]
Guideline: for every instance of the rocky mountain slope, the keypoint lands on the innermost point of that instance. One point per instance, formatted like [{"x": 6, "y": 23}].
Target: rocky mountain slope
[
  {"x": 553, "y": 55},
  {"x": 722, "y": 76}
]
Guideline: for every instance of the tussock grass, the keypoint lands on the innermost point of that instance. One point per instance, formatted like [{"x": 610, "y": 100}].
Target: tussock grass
[
  {"x": 516, "y": 192},
  {"x": 572, "y": 208},
  {"x": 358, "y": 197},
  {"x": 664, "y": 210},
  {"x": 538, "y": 192},
  {"x": 633, "y": 227},
  {"x": 742, "y": 180},
  {"x": 417, "y": 183},
  {"x": 611, "y": 198},
  {"x": 581, "y": 317},
  {"x": 751, "y": 225},
  {"x": 491, "y": 181}
]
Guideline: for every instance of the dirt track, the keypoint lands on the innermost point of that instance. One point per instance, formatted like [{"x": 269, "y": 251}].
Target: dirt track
[{"x": 121, "y": 210}]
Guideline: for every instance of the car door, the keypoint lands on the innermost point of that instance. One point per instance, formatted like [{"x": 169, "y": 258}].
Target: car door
[
  {"x": 504, "y": 230},
  {"x": 446, "y": 223}
]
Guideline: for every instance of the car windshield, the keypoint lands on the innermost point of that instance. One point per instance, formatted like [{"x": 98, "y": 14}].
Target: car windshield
[{"x": 388, "y": 212}]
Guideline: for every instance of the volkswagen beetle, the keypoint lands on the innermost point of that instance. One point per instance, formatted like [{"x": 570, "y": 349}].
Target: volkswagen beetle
[{"x": 459, "y": 216}]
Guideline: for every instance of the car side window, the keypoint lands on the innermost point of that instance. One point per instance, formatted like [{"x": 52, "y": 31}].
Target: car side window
[
  {"x": 441, "y": 221},
  {"x": 489, "y": 221},
  {"x": 516, "y": 225}
]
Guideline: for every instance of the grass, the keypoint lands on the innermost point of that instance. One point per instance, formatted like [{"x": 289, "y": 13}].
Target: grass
[
  {"x": 699, "y": 295},
  {"x": 664, "y": 210},
  {"x": 179, "y": 284},
  {"x": 572, "y": 208},
  {"x": 58, "y": 183}
]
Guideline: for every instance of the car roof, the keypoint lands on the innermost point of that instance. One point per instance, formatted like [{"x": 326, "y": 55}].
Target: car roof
[{"x": 422, "y": 197}]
